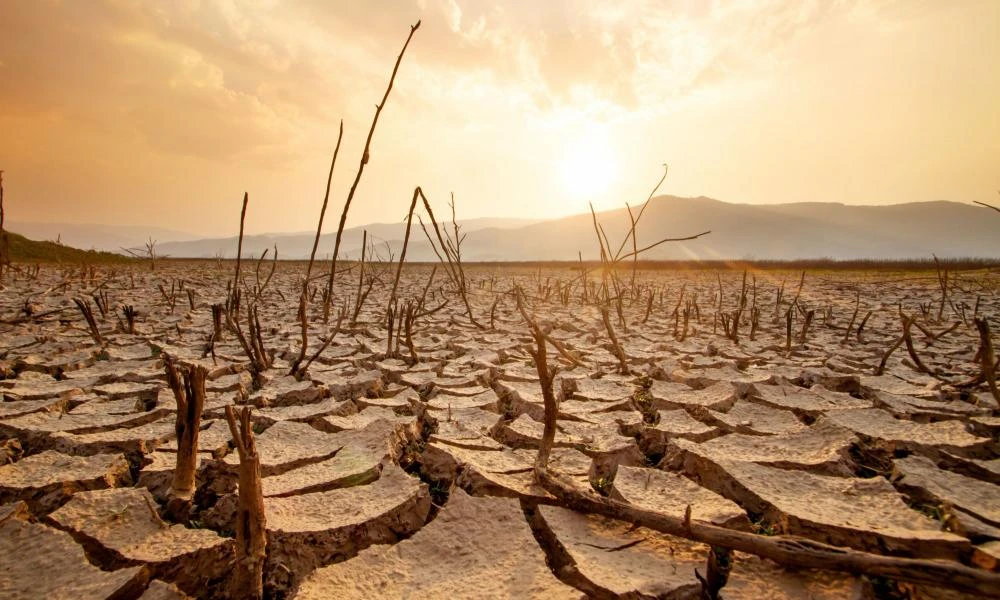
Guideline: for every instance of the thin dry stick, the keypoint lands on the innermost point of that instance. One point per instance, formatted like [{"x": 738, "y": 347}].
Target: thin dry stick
[
  {"x": 361, "y": 276},
  {"x": 798, "y": 292},
  {"x": 239, "y": 245},
  {"x": 406, "y": 241},
  {"x": 451, "y": 274},
  {"x": 130, "y": 313},
  {"x": 943, "y": 282},
  {"x": 936, "y": 336},
  {"x": 861, "y": 327},
  {"x": 850, "y": 326},
  {"x": 635, "y": 246},
  {"x": 519, "y": 297},
  {"x": 790, "y": 551},
  {"x": 304, "y": 297},
  {"x": 987, "y": 205},
  {"x": 88, "y": 314},
  {"x": 361, "y": 168},
  {"x": 259, "y": 287},
  {"x": 427, "y": 288},
  {"x": 616, "y": 347},
  {"x": 252, "y": 343},
  {"x": 251, "y": 533},
  {"x": 303, "y": 315},
  {"x": 336, "y": 329},
  {"x": 908, "y": 339},
  {"x": 788, "y": 328},
  {"x": 805, "y": 326},
  {"x": 987, "y": 359},
  {"x": 545, "y": 377},
  {"x": 641, "y": 211},
  {"x": 453, "y": 258},
  {"x": 663, "y": 241},
  {"x": 604, "y": 251},
  {"x": 409, "y": 317},
  {"x": 880, "y": 369},
  {"x": 632, "y": 231},
  {"x": 3, "y": 234},
  {"x": 326, "y": 200}
]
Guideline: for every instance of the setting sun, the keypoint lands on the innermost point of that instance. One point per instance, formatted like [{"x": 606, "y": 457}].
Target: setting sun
[{"x": 588, "y": 168}]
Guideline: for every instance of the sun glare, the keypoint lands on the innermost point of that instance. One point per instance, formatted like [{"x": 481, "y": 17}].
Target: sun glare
[{"x": 588, "y": 168}]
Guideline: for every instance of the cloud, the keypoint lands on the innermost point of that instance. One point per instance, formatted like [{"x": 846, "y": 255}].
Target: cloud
[
  {"x": 234, "y": 93},
  {"x": 223, "y": 79}
]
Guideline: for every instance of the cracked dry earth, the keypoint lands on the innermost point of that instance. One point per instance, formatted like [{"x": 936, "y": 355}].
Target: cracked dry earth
[{"x": 389, "y": 478}]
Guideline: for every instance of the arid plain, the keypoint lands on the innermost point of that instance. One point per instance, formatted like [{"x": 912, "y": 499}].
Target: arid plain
[{"x": 812, "y": 414}]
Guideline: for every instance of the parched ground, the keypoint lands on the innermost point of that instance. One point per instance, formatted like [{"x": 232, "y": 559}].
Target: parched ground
[{"x": 402, "y": 467}]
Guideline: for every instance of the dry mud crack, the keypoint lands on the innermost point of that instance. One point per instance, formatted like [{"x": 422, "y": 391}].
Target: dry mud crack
[{"x": 403, "y": 466}]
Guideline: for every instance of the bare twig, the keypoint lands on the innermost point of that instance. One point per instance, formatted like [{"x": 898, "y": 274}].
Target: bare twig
[
  {"x": 234, "y": 302},
  {"x": 88, "y": 315},
  {"x": 361, "y": 165},
  {"x": 615, "y": 346},
  {"x": 987, "y": 205},
  {"x": 987, "y": 360}
]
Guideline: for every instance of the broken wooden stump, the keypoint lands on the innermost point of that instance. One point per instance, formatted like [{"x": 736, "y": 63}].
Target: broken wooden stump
[
  {"x": 251, "y": 542},
  {"x": 188, "y": 385}
]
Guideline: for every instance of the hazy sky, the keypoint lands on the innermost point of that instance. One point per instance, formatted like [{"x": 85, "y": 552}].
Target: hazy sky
[{"x": 163, "y": 113}]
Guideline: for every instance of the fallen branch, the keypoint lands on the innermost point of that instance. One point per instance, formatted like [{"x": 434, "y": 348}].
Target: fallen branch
[{"x": 789, "y": 551}]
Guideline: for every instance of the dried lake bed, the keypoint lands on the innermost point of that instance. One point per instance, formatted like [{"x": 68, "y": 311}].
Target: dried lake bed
[{"x": 846, "y": 407}]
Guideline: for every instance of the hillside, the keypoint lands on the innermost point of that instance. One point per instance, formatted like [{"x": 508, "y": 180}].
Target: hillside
[
  {"x": 111, "y": 238},
  {"x": 298, "y": 245},
  {"x": 28, "y": 251},
  {"x": 739, "y": 231}
]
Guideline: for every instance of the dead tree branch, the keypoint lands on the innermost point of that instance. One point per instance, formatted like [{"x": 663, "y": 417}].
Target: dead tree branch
[
  {"x": 361, "y": 167},
  {"x": 987, "y": 359},
  {"x": 88, "y": 314}
]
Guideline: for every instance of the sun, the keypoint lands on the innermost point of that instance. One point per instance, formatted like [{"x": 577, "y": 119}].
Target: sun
[{"x": 588, "y": 167}]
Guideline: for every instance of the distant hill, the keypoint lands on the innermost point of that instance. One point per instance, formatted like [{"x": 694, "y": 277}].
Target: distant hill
[
  {"x": 739, "y": 231},
  {"x": 765, "y": 232},
  {"x": 23, "y": 250},
  {"x": 97, "y": 237},
  {"x": 299, "y": 245}
]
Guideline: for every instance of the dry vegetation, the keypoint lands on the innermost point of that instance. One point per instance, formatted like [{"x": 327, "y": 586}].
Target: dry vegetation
[
  {"x": 707, "y": 407},
  {"x": 389, "y": 430}
]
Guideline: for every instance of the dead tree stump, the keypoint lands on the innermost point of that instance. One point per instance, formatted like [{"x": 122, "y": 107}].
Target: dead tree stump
[
  {"x": 188, "y": 385},
  {"x": 251, "y": 541}
]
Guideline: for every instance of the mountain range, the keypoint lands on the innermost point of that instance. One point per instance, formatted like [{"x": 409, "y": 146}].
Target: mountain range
[
  {"x": 738, "y": 231},
  {"x": 91, "y": 236}
]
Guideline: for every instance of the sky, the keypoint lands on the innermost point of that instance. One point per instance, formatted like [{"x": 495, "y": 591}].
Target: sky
[{"x": 126, "y": 112}]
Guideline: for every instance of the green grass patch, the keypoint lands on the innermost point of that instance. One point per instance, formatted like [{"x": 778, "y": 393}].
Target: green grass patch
[{"x": 23, "y": 250}]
